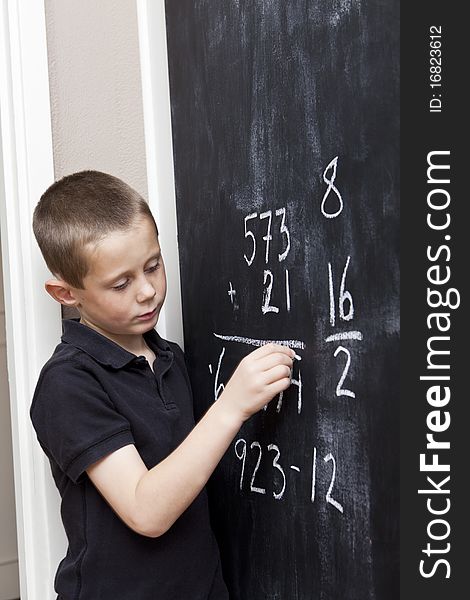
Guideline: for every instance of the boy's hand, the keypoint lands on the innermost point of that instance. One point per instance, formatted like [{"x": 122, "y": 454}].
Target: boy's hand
[{"x": 259, "y": 377}]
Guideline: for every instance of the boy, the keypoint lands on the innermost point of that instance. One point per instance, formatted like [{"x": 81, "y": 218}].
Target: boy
[{"x": 113, "y": 408}]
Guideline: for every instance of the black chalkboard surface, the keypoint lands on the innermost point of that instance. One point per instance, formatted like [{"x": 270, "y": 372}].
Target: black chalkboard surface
[{"x": 285, "y": 130}]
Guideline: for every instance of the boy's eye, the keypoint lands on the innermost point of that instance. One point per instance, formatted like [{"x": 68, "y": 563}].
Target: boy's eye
[
  {"x": 153, "y": 268},
  {"x": 121, "y": 286}
]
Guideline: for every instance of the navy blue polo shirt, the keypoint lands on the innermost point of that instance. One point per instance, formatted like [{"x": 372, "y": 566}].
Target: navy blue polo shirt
[{"x": 92, "y": 398}]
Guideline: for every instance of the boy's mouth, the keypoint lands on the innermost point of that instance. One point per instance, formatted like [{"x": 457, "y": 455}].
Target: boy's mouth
[{"x": 147, "y": 316}]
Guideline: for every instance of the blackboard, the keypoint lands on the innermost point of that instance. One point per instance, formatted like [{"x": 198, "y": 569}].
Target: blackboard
[{"x": 285, "y": 119}]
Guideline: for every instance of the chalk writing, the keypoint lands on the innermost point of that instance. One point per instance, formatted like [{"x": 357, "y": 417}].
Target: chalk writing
[
  {"x": 281, "y": 488},
  {"x": 332, "y": 165}
]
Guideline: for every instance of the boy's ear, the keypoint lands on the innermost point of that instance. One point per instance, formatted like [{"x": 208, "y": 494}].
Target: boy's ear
[{"x": 61, "y": 291}]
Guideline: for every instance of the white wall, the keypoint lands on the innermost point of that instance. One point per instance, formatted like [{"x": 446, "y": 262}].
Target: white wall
[
  {"x": 95, "y": 88},
  {"x": 9, "y": 580}
]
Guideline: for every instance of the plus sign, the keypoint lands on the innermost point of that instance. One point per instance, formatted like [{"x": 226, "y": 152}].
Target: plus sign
[{"x": 231, "y": 292}]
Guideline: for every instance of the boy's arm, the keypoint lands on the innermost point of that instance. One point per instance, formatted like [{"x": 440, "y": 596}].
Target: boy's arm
[{"x": 150, "y": 501}]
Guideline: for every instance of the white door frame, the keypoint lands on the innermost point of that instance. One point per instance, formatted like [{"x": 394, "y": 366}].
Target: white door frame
[
  {"x": 159, "y": 153},
  {"x": 33, "y": 323}
]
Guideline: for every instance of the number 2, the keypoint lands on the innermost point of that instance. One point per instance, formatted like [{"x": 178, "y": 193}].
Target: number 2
[
  {"x": 267, "y": 294},
  {"x": 252, "y": 486},
  {"x": 328, "y": 497},
  {"x": 339, "y": 390}
]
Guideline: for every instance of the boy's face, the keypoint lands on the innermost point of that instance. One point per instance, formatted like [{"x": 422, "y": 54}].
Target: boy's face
[{"x": 126, "y": 284}]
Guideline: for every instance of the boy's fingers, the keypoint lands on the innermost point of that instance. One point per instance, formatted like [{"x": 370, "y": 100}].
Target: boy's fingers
[
  {"x": 278, "y": 373},
  {"x": 272, "y": 360},
  {"x": 278, "y": 386},
  {"x": 271, "y": 348}
]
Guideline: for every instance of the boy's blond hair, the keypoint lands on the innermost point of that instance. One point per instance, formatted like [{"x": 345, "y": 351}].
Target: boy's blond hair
[{"x": 78, "y": 210}]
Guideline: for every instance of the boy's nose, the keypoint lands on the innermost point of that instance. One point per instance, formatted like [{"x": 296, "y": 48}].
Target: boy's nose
[{"x": 146, "y": 292}]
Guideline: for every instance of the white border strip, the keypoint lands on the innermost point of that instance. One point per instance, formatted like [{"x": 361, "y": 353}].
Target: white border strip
[
  {"x": 33, "y": 323},
  {"x": 159, "y": 150}
]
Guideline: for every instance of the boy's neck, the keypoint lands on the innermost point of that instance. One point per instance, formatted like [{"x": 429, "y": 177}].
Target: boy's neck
[{"x": 135, "y": 344}]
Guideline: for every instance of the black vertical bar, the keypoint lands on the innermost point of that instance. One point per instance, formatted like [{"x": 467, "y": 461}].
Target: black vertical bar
[{"x": 433, "y": 122}]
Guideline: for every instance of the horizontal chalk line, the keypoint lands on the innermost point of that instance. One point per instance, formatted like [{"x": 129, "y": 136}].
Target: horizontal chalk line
[
  {"x": 254, "y": 342},
  {"x": 346, "y": 335}
]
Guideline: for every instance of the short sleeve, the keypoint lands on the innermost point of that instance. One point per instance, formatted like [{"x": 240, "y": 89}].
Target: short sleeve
[{"x": 75, "y": 421}]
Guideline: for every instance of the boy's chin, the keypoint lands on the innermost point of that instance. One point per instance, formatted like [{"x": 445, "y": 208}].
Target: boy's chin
[{"x": 148, "y": 325}]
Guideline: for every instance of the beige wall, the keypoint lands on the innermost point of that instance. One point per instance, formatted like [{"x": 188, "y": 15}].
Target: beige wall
[
  {"x": 9, "y": 583},
  {"x": 96, "y": 99}
]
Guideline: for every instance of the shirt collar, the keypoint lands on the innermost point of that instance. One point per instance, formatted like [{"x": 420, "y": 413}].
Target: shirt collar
[{"x": 104, "y": 350}]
